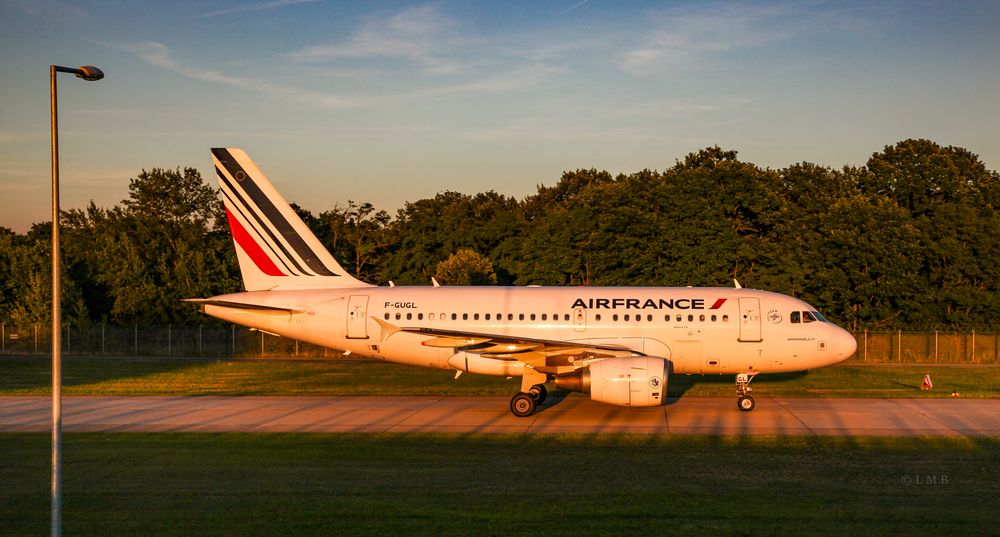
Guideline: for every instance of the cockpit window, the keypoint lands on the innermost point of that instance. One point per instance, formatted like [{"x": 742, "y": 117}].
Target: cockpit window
[
  {"x": 807, "y": 317},
  {"x": 819, "y": 317},
  {"x": 795, "y": 317}
]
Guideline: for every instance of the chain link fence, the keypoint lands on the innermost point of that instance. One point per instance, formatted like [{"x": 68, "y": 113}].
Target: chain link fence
[
  {"x": 221, "y": 341},
  {"x": 112, "y": 340}
]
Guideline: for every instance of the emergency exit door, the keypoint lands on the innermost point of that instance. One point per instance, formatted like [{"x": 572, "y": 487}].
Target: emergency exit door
[
  {"x": 357, "y": 317},
  {"x": 750, "y": 319}
]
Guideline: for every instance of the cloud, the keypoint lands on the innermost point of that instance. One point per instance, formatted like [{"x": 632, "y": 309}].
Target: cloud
[
  {"x": 159, "y": 55},
  {"x": 685, "y": 36},
  {"x": 421, "y": 35},
  {"x": 261, "y": 6},
  {"x": 48, "y": 9}
]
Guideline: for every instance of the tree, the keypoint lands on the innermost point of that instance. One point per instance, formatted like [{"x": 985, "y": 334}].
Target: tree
[{"x": 465, "y": 267}]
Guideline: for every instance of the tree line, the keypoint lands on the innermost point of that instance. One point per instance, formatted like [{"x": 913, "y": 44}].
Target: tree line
[{"x": 908, "y": 241}]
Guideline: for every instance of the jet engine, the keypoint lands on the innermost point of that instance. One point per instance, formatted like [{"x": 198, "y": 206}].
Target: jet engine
[{"x": 628, "y": 381}]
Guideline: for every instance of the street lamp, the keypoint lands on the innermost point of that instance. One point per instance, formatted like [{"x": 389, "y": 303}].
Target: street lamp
[{"x": 89, "y": 73}]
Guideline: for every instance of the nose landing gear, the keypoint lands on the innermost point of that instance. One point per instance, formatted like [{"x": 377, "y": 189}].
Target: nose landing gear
[{"x": 743, "y": 389}]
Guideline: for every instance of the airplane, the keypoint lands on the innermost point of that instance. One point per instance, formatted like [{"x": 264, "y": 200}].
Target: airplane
[{"x": 617, "y": 344}]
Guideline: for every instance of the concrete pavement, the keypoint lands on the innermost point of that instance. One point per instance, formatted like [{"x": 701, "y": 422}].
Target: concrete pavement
[{"x": 574, "y": 413}]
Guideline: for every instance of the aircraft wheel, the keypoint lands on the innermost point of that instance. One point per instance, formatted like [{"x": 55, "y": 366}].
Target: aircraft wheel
[
  {"x": 539, "y": 393},
  {"x": 746, "y": 403},
  {"x": 522, "y": 405}
]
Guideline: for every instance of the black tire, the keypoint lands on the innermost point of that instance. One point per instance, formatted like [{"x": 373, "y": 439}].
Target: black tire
[
  {"x": 522, "y": 405},
  {"x": 539, "y": 392},
  {"x": 746, "y": 403}
]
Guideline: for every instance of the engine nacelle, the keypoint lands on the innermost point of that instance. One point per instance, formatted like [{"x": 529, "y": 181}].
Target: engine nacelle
[{"x": 629, "y": 381}]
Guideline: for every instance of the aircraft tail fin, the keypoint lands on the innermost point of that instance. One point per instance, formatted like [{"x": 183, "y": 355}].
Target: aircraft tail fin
[{"x": 274, "y": 246}]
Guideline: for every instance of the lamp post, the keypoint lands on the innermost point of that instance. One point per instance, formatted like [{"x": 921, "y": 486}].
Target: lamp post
[{"x": 87, "y": 73}]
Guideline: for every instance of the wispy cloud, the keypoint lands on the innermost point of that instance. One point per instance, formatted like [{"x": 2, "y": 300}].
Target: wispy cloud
[
  {"x": 685, "y": 36},
  {"x": 47, "y": 9},
  {"x": 574, "y": 6},
  {"x": 422, "y": 35},
  {"x": 160, "y": 55},
  {"x": 259, "y": 6}
]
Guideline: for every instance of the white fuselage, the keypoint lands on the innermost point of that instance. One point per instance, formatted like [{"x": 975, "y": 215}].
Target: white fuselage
[{"x": 699, "y": 330}]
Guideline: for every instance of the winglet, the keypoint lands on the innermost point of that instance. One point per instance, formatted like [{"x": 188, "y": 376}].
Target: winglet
[
  {"x": 737, "y": 282},
  {"x": 388, "y": 328}
]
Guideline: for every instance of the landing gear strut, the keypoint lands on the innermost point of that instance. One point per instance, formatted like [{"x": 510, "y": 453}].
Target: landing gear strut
[
  {"x": 743, "y": 389},
  {"x": 532, "y": 394}
]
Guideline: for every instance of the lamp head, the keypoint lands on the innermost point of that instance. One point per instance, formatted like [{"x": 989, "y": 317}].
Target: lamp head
[{"x": 89, "y": 73}]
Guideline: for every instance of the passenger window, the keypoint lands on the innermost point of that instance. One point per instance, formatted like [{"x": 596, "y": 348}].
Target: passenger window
[
  {"x": 701, "y": 318},
  {"x": 475, "y": 316},
  {"x": 532, "y": 316},
  {"x": 597, "y": 317},
  {"x": 545, "y": 316},
  {"x": 725, "y": 318},
  {"x": 454, "y": 316},
  {"x": 678, "y": 317},
  {"x": 795, "y": 317},
  {"x": 614, "y": 317},
  {"x": 487, "y": 316},
  {"x": 690, "y": 318},
  {"x": 465, "y": 316},
  {"x": 714, "y": 318},
  {"x": 420, "y": 316},
  {"x": 409, "y": 316},
  {"x": 399, "y": 316},
  {"x": 520, "y": 316},
  {"x": 626, "y": 316},
  {"x": 649, "y": 317},
  {"x": 566, "y": 317},
  {"x": 387, "y": 315}
]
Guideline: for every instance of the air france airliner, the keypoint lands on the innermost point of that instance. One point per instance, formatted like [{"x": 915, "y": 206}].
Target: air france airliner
[{"x": 617, "y": 344}]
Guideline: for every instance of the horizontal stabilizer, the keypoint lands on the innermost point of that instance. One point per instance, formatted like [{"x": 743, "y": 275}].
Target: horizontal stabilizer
[{"x": 262, "y": 308}]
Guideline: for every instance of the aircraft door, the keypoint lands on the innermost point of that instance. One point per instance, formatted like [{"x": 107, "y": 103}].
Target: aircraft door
[
  {"x": 357, "y": 317},
  {"x": 750, "y": 320},
  {"x": 579, "y": 319}
]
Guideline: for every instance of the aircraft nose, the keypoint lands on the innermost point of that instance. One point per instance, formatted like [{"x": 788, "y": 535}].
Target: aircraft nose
[{"x": 846, "y": 344}]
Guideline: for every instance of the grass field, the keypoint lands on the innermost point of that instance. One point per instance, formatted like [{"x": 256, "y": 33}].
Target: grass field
[
  {"x": 150, "y": 376},
  {"x": 315, "y": 484}
]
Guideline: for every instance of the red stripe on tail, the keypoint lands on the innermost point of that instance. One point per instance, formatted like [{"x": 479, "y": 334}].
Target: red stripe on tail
[{"x": 250, "y": 246}]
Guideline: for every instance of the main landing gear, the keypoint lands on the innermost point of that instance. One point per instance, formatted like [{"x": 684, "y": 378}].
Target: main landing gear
[
  {"x": 523, "y": 404},
  {"x": 743, "y": 389}
]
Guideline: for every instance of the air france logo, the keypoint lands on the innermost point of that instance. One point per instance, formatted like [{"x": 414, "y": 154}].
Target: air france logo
[
  {"x": 649, "y": 303},
  {"x": 654, "y": 382},
  {"x": 774, "y": 316}
]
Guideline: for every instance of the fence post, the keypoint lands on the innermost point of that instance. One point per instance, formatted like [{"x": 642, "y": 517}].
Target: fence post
[
  {"x": 232, "y": 329},
  {"x": 973, "y": 353},
  {"x": 36, "y": 339},
  {"x": 296, "y": 348},
  {"x": 69, "y": 340},
  {"x": 103, "y": 325},
  {"x": 170, "y": 346},
  {"x": 262, "y": 344},
  {"x": 3, "y": 336},
  {"x": 866, "y": 346},
  {"x": 899, "y": 346},
  {"x": 136, "y": 338},
  {"x": 935, "y": 346}
]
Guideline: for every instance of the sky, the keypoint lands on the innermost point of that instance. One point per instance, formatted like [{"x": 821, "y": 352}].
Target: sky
[{"x": 389, "y": 102}]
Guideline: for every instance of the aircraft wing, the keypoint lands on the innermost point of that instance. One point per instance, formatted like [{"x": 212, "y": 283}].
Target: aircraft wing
[{"x": 544, "y": 355}]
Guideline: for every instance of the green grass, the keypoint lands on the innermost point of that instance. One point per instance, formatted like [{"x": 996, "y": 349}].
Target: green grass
[
  {"x": 150, "y": 376},
  {"x": 320, "y": 484}
]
